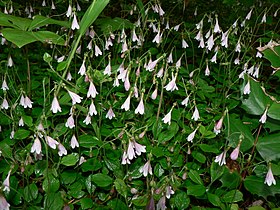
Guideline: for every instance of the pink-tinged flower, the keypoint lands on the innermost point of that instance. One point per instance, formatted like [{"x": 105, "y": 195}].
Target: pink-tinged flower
[
  {"x": 75, "y": 24},
  {"x": 218, "y": 126},
  {"x": 161, "y": 203},
  {"x": 154, "y": 94},
  {"x": 217, "y": 27},
  {"x": 61, "y": 150},
  {"x": 51, "y": 142},
  {"x": 36, "y": 147},
  {"x": 170, "y": 59},
  {"x": 269, "y": 179},
  {"x": 4, "y": 85},
  {"x": 126, "y": 82},
  {"x": 236, "y": 61},
  {"x": 185, "y": 101},
  {"x": 184, "y": 44},
  {"x": 97, "y": 51},
  {"x": 134, "y": 36},
  {"x": 110, "y": 114},
  {"x": 135, "y": 91},
  {"x": 108, "y": 43},
  {"x": 87, "y": 121},
  {"x": 75, "y": 97},
  {"x": 238, "y": 47},
  {"x": 55, "y": 106},
  {"x": 201, "y": 43},
  {"x": 247, "y": 88},
  {"x": 210, "y": 42},
  {"x": 169, "y": 192},
  {"x": 221, "y": 159},
  {"x": 125, "y": 159},
  {"x": 126, "y": 104},
  {"x": 82, "y": 70},
  {"x": 6, "y": 183},
  {"x": 60, "y": 59},
  {"x": 138, "y": 148},
  {"x": 53, "y": 6},
  {"x": 207, "y": 70},
  {"x": 74, "y": 142},
  {"x": 130, "y": 151},
  {"x": 214, "y": 58},
  {"x": 235, "y": 153},
  {"x": 171, "y": 86},
  {"x": 5, "y": 104},
  {"x": 147, "y": 168},
  {"x": 108, "y": 69},
  {"x": 224, "y": 40},
  {"x": 264, "y": 117},
  {"x": 69, "y": 76},
  {"x": 89, "y": 46},
  {"x": 264, "y": 18},
  {"x": 178, "y": 63},
  {"x": 20, "y": 122},
  {"x": 160, "y": 72},
  {"x": 140, "y": 108},
  {"x": 92, "y": 109},
  {"x": 176, "y": 28},
  {"x": 10, "y": 62},
  {"x": 195, "y": 115},
  {"x": 28, "y": 102},
  {"x": 258, "y": 55},
  {"x": 116, "y": 82},
  {"x": 82, "y": 160},
  {"x": 167, "y": 118},
  {"x": 78, "y": 7},
  {"x": 4, "y": 205},
  {"x": 151, "y": 65},
  {"x": 199, "y": 25},
  {"x": 199, "y": 36},
  {"x": 191, "y": 135},
  {"x": 157, "y": 38},
  {"x": 70, "y": 123},
  {"x": 92, "y": 92},
  {"x": 69, "y": 11}
]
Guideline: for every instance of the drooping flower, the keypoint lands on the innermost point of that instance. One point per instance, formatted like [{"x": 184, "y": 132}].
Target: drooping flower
[
  {"x": 214, "y": 58},
  {"x": 184, "y": 44},
  {"x": 87, "y": 120},
  {"x": 125, "y": 159},
  {"x": 69, "y": 11},
  {"x": 269, "y": 179},
  {"x": 130, "y": 151},
  {"x": 69, "y": 76},
  {"x": 4, "y": 205},
  {"x": 92, "y": 92},
  {"x": 6, "y": 183},
  {"x": 238, "y": 47},
  {"x": 75, "y": 24},
  {"x": 126, "y": 82},
  {"x": 171, "y": 86},
  {"x": 75, "y": 97},
  {"x": 235, "y": 153},
  {"x": 161, "y": 203},
  {"x": 147, "y": 168},
  {"x": 70, "y": 123},
  {"x": 169, "y": 192},
  {"x": 152, "y": 64},
  {"x": 10, "y": 61},
  {"x": 247, "y": 88},
  {"x": 108, "y": 69},
  {"x": 221, "y": 159},
  {"x": 92, "y": 109},
  {"x": 36, "y": 147},
  {"x": 61, "y": 150},
  {"x": 217, "y": 27},
  {"x": 140, "y": 108},
  {"x": 5, "y": 104},
  {"x": 195, "y": 115},
  {"x": 20, "y": 122},
  {"x": 74, "y": 142},
  {"x": 210, "y": 42},
  {"x": 186, "y": 101},
  {"x": 264, "y": 117},
  {"x": 167, "y": 118},
  {"x": 248, "y": 16},
  {"x": 97, "y": 51},
  {"x": 4, "y": 85},
  {"x": 154, "y": 94},
  {"x": 53, "y": 6},
  {"x": 82, "y": 70},
  {"x": 176, "y": 28},
  {"x": 264, "y": 18},
  {"x": 191, "y": 135},
  {"x": 157, "y": 38},
  {"x": 126, "y": 104},
  {"x": 138, "y": 148},
  {"x": 55, "y": 105},
  {"x": 110, "y": 114},
  {"x": 207, "y": 70},
  {"x": 25, "y": 101},
  {"x": 218, "y": 126},
  {"x": 170, "y": 59},
  {"x": 51, "y": 142}
]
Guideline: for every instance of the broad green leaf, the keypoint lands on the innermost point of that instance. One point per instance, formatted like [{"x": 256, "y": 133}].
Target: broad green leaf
[
  {"x": 86, "y": 203},
  {"x": 196, "y": 190},
  {"x": 141, "y": 200},
  {"x": 181, "y": 200},
  {"x": 70, "y": 160},
  {"x": 91, "y": 14},
  {"x": 39, "y": 21},
  {"x": 108, "y": 24},
  {"x": 68, "y": 177},
  {"x": 121, "y": 187},
  {"x": 273, "y": 111},
  {"x": 231, "y": 180},
  {"x": 233, "y": 196},
  {"x": 214, "y": 199},
  {"x": 208, "y": 148},
  {"x": 50, "y": 183},
  {"x": 168, "y": 134},
  {"x": 117, "y": 204},
  {"x": 27, "y": 120},
  {"x": 273, "y": 55},
  {"x": 257, "y": 100},
  {"x": 199, "y": 156},
  {"x": 30, "y": 192},
  {"x": 21, "y": 134},
  {"x": 53, "y": 201},
  {"x": 256, "y": 208},
  {"x": 89, "y": 141},
  {"x": 89, "y": 184},
  {"x": 194, "y": 176},
  {"x": 216, "y": 171},
  {"x": 269, "y": 147},
  {"x": 102, "y": 180},
  {"x": 48, "y": 37},
  {"x": 16, "y": 22}
]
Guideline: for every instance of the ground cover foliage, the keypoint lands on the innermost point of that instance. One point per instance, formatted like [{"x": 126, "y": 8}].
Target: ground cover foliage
[{"x": 139, "y": 104}]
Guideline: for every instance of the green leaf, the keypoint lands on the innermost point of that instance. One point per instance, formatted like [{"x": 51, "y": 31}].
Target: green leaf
[
  {"x": 117, "y": 204},
  {"x": 39, "y": 21},
  {"x": 216, "y": 171},
  {"x": 273, "y": 111},
  {"x": 255, "y": 185},
  {"x": 89, "y": 141},
  {"x": 141, "y": 200},
  {"x": 208, "y": 148},
  {"x": 50, "y": 183},
  {"x": 269, "y": 147},
  {"x": 121, "y": 187},
  {"x": 181, "y": 200},
  {"x": 61, "y": 66},
  {"x": 257, "y": 101},
  {"x": 214, "y": 199},
  {"x": 89, "y": 185},
  {"x": 70, "y": 160},
  {"x": 30, "y": 192},
  {"x": 168, "y": 134},
  {"x": 233, "y": 196},
  {"x": 68, "y": 177},
  {"x": 108, "y": 24},
  {"x": 53, "y": 201},
  {"x": 21, "y": 134},
  {"x": 91, "y": 14},
  {"x": 15, "y": 22},
  {"x": 256, "y": 208},
  {"x": 199, "y": 156},
  {"x": 231, "y": 180},
  {"x": 194, "y": 176},
  {"x": 27, "y": 120},
  {"x": 47, "y": 57},
  {"x": 102, "y": 180},
  {"x": 86, "y": 203},
  {"x": 273, "y": 56},
  {"x": 196, "y": 190}
]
